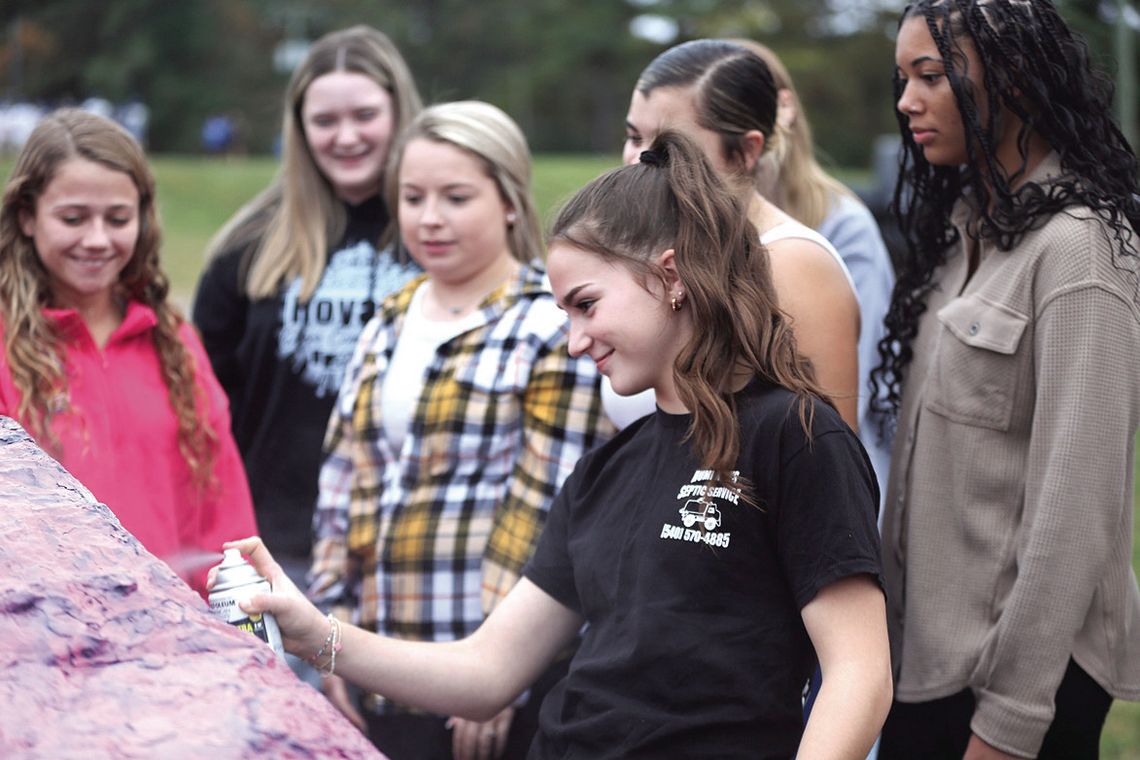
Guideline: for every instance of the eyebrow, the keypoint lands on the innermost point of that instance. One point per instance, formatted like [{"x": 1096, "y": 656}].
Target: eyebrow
[
  {"x": 67, "y": 206},
  {"x": 338, "y": 113},
  {"x": 925, "y": 58},
  {"x": 446, "y": 188},
  {"x": 573, "y": 292}
]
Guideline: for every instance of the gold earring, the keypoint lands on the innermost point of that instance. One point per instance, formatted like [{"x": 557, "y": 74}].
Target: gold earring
[{"x": 675, "y": 304}]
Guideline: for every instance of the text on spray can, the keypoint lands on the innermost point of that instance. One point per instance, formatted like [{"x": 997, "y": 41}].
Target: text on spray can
[{"x": 237, "y": 580}]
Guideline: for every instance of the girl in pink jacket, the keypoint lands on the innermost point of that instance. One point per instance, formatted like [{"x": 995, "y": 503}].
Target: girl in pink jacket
[{"x": 97, "y": 365}]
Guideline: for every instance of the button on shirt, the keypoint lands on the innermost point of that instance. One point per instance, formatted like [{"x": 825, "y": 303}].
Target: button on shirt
[
  {"x": 423, "y": 541},
  {"x": 1008, "y": 525}
]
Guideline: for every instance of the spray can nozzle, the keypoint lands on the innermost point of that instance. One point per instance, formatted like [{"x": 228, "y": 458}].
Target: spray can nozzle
[{"x": 231, "y": 557}]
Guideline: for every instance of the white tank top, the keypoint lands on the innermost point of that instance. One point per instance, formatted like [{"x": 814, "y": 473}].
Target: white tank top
[
  {"x": 794, "y": 229},
  {"x": 622, "y": 410}
]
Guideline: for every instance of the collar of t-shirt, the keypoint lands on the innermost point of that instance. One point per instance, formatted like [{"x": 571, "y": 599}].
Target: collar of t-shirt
[{"x": 403, "y": 382}]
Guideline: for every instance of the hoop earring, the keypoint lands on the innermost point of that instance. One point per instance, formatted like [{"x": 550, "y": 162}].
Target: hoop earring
[{"x": 675, "y": 304}]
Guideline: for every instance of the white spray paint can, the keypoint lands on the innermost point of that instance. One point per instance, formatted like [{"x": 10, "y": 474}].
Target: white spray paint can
[{"x": 237, "y": 580}]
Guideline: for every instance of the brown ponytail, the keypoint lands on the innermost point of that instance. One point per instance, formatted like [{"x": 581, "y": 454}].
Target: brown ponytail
[{"x": 674, "y": 199}]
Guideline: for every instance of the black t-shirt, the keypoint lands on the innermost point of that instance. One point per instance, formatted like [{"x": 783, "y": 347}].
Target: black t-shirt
[
  {"x": 281, "y": 362},
  {"x": 694, "y": 645}
]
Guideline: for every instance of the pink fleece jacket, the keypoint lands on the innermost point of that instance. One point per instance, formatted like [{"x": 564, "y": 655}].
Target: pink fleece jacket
[{"x": 118, "y": 436}]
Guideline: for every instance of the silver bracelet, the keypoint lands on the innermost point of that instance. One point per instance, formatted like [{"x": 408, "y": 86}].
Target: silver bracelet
[{"x": 330, "y": 647}]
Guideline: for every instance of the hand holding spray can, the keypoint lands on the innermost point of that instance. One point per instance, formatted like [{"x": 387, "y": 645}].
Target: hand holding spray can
[{"x": 237, "y": 580}]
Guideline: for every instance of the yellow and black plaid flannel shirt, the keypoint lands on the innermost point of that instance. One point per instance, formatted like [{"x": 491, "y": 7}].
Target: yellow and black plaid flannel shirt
[{"x": 422, "y": 543}]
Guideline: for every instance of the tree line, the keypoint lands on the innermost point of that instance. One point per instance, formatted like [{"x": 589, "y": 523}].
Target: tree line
[{"x": 564, "y": 69}]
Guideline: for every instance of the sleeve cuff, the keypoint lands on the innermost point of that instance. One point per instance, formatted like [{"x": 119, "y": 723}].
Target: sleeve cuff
[{"x": 1012, "y": 727}]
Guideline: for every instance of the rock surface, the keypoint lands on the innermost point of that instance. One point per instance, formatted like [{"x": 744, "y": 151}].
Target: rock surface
[{"x": 105, "y": 652}]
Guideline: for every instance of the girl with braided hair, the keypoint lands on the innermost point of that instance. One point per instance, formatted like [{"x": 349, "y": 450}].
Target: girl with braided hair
[
  {"x": 1011, "y": 361},
  {"x": 710, "y": 554},
  {"x": 97, "y": 364}
]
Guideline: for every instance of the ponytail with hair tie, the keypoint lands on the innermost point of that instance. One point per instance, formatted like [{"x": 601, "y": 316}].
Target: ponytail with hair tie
[{"x": 629, "y": 216}]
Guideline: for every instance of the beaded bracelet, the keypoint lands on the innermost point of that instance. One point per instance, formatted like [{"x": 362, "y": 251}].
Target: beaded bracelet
[{"x": 330, "y": 647}]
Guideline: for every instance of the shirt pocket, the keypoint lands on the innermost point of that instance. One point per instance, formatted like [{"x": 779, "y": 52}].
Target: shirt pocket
[
  {"x": 472, "y": 415},
  {"x": 975, "y": 374}
]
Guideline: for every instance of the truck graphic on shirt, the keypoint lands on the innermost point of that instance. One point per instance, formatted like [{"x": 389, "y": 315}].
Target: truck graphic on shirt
[{"x": 700, "y": 511}]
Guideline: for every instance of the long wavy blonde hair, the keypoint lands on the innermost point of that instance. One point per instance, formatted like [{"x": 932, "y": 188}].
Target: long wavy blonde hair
[
  {"x": 32, "y": 344},
  {"x": 288, "y": 226}
]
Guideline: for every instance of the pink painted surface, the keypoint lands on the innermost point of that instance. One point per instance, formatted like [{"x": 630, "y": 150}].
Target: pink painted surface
[{"x": 105, "y": 652}]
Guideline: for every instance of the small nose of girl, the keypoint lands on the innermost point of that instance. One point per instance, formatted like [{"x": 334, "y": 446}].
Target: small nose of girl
[
  {"x": 579, "y": 342},
  {"x": 96, "y": 235}
]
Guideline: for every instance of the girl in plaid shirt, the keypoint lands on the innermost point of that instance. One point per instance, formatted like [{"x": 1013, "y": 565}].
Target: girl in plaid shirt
[
  {"x": 460, "y": 415},
  {"x": 710, "y": 554}
]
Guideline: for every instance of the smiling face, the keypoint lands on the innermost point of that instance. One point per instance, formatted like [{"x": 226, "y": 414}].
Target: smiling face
[
  {"x": 627, "y": 328},
  {"x": 349, "y": 122},
  {"x": 84, "y": 227},
  {"x": 927, "y": 99},
  {"x": 452, "y": 216}
]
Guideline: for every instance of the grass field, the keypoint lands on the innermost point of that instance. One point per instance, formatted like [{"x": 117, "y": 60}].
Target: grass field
[{"x": 197, "y": 195}]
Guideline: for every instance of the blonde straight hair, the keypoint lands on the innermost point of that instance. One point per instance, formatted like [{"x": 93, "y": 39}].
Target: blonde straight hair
[
  {"x": 487, "y": 133},
  {"x": 288, "y": 226}
]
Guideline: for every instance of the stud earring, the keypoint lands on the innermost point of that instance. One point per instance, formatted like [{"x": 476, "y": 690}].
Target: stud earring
[{"x": 512, "y": 217}]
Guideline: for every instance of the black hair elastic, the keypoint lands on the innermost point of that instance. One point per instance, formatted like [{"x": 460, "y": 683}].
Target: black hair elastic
[{"x": 654, "y": 157}]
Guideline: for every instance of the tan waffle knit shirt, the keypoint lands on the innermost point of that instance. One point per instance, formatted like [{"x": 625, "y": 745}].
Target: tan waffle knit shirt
[{"x": 1008, "y": 523}]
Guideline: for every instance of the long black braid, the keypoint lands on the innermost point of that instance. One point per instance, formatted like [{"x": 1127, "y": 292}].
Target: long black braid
[{"x": 1037, "y": 68}]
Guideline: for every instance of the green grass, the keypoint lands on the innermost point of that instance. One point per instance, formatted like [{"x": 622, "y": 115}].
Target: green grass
[
  {"x": 197, "y": 195},
  {"x": 195, "y": 198},
  {"x": 557, "y": 177},
  {"x": 1121, "y": 737}
]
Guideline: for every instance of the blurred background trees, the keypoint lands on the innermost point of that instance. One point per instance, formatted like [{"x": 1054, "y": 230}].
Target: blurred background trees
[{"x": 564, "y": 69}]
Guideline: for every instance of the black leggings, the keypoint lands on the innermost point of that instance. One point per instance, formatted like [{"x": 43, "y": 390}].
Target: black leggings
[{"x": 941, "y": 728}]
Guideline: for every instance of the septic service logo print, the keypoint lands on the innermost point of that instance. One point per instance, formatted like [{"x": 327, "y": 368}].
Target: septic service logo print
[{"x": 700, "y": 516}]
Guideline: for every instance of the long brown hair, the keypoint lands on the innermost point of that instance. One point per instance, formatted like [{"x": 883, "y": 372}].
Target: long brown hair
[
  {"x": 674, "y": 199},
  {"x": 31, "y": 342},
  {"x": 289, "y": 225}
]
